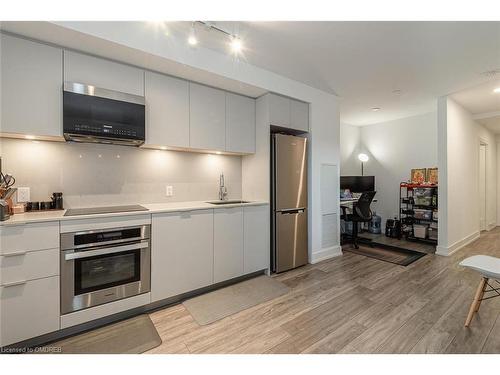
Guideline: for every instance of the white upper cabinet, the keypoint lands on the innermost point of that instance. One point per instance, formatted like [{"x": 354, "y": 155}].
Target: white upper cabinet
[
  {"x": 103, "y": 73},
  {"x": 228, "y": 243},
  {"x": 279, "y": 110},
  {"x": 240, "y": 123},
  {"x": 288, "y": 113},
  {"x": 31, "y": 85},
  {"x": 167, "y": 110},
  {"x": 299, "y": 115},
  {"x": 207, "y": 109}
]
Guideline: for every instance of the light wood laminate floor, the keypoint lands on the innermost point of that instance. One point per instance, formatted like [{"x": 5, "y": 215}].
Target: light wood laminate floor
[{"x": 354, "y": 304}]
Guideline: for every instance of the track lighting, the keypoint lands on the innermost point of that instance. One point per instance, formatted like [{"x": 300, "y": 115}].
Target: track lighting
[
  {"x": 192, "y": 40},
  {"x": 235, "y": 42},
  {"x": 236, "y": 45}
]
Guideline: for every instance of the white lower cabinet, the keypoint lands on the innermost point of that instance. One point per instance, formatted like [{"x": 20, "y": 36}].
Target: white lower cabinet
[
  {"x": 29, "y": 266},
  {"x": 182, "y": 252},
  {"x": 228, "y": 243},
  {"x": 29, "y": 309},
  {"x": 256, "y": 246}
]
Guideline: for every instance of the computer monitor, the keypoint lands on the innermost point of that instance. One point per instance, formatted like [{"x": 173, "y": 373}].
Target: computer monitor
[{"x": 357, "y": 184}]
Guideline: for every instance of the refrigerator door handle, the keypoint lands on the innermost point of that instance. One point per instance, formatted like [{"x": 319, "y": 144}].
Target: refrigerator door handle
[{"x": 292, "y": 211}]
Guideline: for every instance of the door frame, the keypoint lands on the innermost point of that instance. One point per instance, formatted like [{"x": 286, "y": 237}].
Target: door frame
[{"x": 483, "y": 142}]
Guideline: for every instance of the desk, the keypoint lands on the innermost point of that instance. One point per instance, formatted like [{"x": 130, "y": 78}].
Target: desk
[{"x": 348, "y": 203}]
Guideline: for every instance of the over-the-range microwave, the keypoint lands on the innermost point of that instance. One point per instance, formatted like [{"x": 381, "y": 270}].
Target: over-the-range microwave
[{"x": 97, "y": 115}]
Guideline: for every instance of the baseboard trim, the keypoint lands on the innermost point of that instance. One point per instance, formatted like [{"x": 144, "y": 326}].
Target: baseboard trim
[
  {"x": 324, "y": 254},
  {"x": 447, "y": 251},
  {"x": 491, "y": 226}
]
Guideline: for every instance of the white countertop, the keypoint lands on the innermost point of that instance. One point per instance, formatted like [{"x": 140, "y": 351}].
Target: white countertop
[{"x": 153, "y": 208}]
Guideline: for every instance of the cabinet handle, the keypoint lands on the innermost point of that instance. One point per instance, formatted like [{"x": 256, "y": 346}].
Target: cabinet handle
[
  {"x": 14, "y": 283},
  {"x": 19, "y": 253}
]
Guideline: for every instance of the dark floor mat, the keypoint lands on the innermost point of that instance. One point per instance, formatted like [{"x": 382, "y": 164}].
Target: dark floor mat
[{"x": 387, "y": 254}]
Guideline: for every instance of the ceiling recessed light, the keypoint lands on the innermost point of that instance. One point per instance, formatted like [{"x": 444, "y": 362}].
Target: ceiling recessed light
[
  {"x": 497, "y": 90},
  {"x": 375, "y": 109}
]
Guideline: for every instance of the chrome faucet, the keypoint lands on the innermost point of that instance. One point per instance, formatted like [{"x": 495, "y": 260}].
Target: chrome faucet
[{"x": 222, "y": 188}]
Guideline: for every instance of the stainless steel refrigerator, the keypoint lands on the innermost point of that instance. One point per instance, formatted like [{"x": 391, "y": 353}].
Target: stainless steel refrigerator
[{"x": 289, "y": 201}]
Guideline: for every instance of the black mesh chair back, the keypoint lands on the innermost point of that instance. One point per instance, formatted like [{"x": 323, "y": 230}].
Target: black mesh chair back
[{"x": 362, "y": 206}]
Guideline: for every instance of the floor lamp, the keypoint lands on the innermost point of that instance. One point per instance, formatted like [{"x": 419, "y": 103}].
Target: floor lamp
[{"x": 363, "y": 158}]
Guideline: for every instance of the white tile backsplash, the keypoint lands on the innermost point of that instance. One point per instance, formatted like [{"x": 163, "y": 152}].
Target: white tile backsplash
[{"x": 93, "y": 174}]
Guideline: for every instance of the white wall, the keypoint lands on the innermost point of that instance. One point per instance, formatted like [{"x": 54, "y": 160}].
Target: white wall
[
  {"x": 394, "y": 147},
  {"x": 498, "y": 178},
  {"x": 459, "y": 141},
  {"x": 350, "y": 145},
  {"x": 324, "y": 113},
  {"x": 93, "y": 174}
]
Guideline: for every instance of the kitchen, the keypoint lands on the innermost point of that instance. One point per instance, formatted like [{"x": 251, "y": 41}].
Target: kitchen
[{"x": 202, "y": 168}]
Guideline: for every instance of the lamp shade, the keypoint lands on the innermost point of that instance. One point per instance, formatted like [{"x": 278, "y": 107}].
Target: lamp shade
[{"x": 363, "y": 158}]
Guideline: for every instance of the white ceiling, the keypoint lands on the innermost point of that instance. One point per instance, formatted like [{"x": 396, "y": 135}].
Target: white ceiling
[
  {"x": 483, "y": 103},
  {"x": 481, "y": 99},
  {"x": 364, "y": 63}
]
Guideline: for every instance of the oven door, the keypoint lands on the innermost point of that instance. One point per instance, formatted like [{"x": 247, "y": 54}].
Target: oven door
[{"x": 91, "y": 277}]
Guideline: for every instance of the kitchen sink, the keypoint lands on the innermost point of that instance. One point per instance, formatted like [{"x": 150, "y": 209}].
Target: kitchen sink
[{"x": 227, "y": 202}]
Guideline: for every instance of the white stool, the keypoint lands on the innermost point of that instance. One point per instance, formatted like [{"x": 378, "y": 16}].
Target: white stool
[{"x": 489, "y": 268}]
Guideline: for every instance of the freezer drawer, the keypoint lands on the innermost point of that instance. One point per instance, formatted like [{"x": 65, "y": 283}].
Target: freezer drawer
[{"x": 291, "y": 240}]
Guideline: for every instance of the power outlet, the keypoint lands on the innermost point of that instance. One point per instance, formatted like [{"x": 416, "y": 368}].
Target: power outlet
[
  {"x": 170, "y": 191},
  {"x": 23, "y": 194}
]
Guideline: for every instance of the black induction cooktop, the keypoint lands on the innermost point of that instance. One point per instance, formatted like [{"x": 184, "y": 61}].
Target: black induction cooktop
[{"x": 103, "y": 210}]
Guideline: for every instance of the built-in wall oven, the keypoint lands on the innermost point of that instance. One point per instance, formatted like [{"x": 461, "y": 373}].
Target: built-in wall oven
[{"x": 100, "y": 266}]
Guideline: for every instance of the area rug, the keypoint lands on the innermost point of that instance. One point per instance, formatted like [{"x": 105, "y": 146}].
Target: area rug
[
  {"x": 216, "y": 305},
  {"x": 131, "y": 336},
  {"x": 403, "y": 257}
]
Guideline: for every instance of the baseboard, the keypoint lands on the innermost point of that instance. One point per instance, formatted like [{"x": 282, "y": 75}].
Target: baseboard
[
  {"x": 447, "y": 251},
  {"x": 491, "y": 226},
  {"x": 324, "y": 254}
]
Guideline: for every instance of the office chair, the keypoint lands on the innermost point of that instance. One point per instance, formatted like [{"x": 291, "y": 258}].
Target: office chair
[{"x": 361, "y": 214}]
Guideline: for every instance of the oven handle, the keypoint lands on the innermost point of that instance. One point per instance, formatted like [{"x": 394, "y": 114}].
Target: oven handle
[{"x": 108, "y": 250}]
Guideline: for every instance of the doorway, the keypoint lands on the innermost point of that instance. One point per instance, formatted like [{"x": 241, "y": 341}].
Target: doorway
[{"x": 482, "y": 186}]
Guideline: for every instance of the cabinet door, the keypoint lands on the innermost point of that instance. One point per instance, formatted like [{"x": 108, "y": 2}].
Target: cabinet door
[
  {"x": 167, "y": 110},
  {"x": 228, "y": 243},
  {"x": 240, "y": 123},
  {"x": 31, "y": 86},
  {"x": 299, "y": 115},
  {"x": 182, "y": 253},
  {"x": 29, "y": 309},
  {"x": 279, "y": 110},
  {"x": 207, "y": 127},
  {"x": 103, "y": 73},
  {"x": 256, "y": 238}
]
